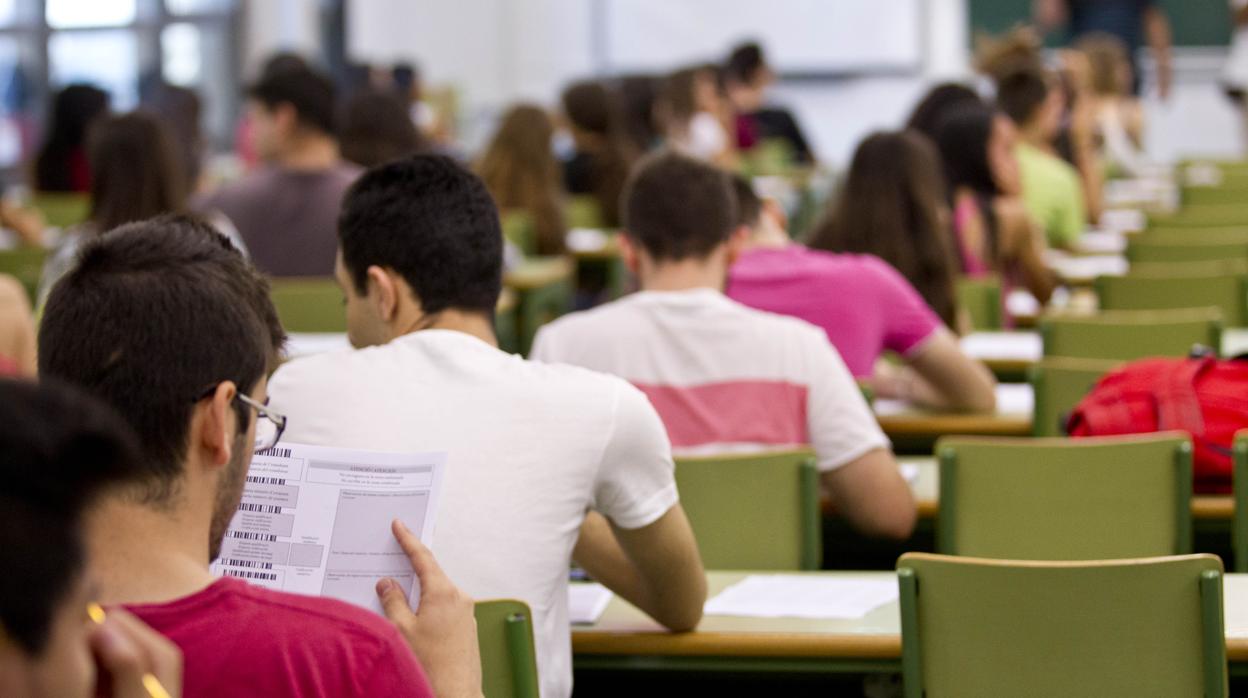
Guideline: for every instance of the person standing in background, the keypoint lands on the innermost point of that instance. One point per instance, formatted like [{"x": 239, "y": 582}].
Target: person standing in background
[{"x": 1135, "y": 22}]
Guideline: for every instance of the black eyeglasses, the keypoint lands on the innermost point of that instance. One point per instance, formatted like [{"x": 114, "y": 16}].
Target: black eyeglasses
[{"x": 269, "y": 427}]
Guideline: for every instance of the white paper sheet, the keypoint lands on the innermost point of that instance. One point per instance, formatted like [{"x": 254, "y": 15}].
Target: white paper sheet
[
  {"x": 1003, "y": 346},
  {"x": 1012, "y": 399},
  {"x": 308, "y": 343},
  {"x": 316, "y": 520},
  {"x": 586, "y": 239},
  {"x": 802, "y": 596},
  {"x": 1020, "y": 303},
  {"x": 586, "y": 602},
  {"x": 909, "y": 472},
  {"x": 1089, "y": 267},
  {"x": 1123, "y": 220},
  {"x": 1101, "y": 242}
]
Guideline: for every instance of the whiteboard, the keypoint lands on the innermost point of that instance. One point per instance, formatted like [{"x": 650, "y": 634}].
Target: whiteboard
[{"x": 799, "y": 36}]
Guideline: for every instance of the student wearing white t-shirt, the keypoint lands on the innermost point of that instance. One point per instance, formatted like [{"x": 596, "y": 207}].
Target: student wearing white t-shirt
[
  {"x": 722, "y": 376},
  {"x": 546, "y": 463}
]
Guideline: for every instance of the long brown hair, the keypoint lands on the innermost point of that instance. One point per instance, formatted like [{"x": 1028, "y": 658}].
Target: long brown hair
[
  {"x": 135, "y": 170},
  {"x": 595, "y": 112},
  {"x": 521, "y": 172},
  {"x": 893, "y": 205}
]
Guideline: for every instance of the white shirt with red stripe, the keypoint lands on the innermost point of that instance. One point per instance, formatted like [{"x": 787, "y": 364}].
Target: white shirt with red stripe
[{"x": 722, "y": 376}]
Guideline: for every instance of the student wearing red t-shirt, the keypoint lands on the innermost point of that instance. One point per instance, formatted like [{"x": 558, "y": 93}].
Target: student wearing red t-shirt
[{"x": 168, "y": 324}]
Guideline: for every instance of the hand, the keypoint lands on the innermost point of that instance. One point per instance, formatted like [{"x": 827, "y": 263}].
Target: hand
[
  {"x": 443, "y": 630},
  {"x": 128, "y": 651},
  {"x": 28, "y": 223}
]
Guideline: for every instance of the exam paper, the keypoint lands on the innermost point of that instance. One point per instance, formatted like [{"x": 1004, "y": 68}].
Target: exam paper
[
  {"x": 586, "y": 602},
  {"x": 1003, "y": 346},
  {"x": 316, "y": 520},
  {"x": 802, "y": 596}
]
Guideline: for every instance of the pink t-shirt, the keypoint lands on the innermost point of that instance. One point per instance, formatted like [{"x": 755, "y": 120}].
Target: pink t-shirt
[
  {"x": 242, "y": 640},
  {"x": 863, "y": 304}
]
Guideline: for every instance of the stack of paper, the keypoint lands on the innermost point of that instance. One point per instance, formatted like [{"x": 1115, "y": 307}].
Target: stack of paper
[
  {"x": 803, "y": 596},
  {"x": 586, "y": 602}
]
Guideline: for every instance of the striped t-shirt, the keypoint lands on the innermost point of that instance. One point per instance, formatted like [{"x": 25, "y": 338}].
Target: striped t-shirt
[{"x": 722, "y": 376}]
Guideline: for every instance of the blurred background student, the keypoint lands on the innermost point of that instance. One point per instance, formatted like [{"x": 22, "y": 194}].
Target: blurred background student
[{"x": 522, "y": 174}]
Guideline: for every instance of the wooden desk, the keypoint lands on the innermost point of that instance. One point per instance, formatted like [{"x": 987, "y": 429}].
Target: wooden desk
[{"x": 626, "y": 638}]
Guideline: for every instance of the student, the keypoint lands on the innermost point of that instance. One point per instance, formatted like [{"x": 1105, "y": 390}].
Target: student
[
  {"x": 1132, "y": 22},
  {"x": 59, "y": 453},
  {"x": 61, "y": 166},
  {"x": 180, "y": 110},
  {"x": 1118, "y": 115},
  {"x": 748, "y": 77},
  {"x": 170, "y": 326},
  {"x": 721, "y": 375},
  {"x": 638, "y": 97},
  {"x": 1051, "y": 187},
  {"x": 993, "y": 231},
  {"x": 286, "y": 210},
  {"x": 600, "y": 164},
  {"x": 863, "y": 305},
  {"x": 939, "y": 101},
  {"x": 520, "y": 170},
  {"x": 692, "y": 114},
  {"x": 532, "y": 448},
  {"x": 137, "y": 176},
  {"x": 377, "y": 128}
]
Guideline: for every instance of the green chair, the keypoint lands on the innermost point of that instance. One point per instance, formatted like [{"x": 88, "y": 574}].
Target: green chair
[
  {"x": 1212, "y": 215},
  {"x": 1145, "y": 250},
  {"x": 1125, "y": 628},
  {"x": 26, "y": 265},
  {"x": 981, "y": 298},
  {"x": 1059, "y": 383},
  {"x": 1228, "y": 292},
  {"x": 1179, "y": 236},
  {"x": 1228, "y": 193},
  {"x": 583, "y": 211},
  {"x": 62, "y": 210},
  {"x": 1131, "y": 334},
  {"x": 543, "y": 288},
  {"x": 1239, "y": 529},
  {"x": 1221, "y": 267},
  {"x": 505, "y": 322},
  {"x": 754, "y": 512},
  {"x": 520, "y": 230},
  {"x": 308, "y": 304},
  {"x": 770, "y": 157},
  {"x": 1065, "y": 499},
  {"x": 508, "y": 654}
]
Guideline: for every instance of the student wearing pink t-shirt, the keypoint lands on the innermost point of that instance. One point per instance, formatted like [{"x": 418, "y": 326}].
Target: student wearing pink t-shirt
[
  {"x": 167, "y": 323},
  {"x": 866, "y": 308}
]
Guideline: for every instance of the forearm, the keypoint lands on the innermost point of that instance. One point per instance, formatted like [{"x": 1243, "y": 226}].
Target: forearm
[{"x": 599, "y": 553}]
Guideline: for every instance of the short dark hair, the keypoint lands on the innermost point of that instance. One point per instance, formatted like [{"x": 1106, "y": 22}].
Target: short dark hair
[
  {"x": 1020, "y": 94},
  {"x": 154, "y": 314},
  {"x": 938, "y": 102},
  {"x": 431, "y": 221},
  {"x": 59, "y": 450},
  {"x": 678, "y": 208},
  {"x": 310, "y": 93},
  {"x": 749, "y": 206},
  {"x": 376, "y": 128},
  {"x": 744, "y": 62},
  {"x": 962, "y": 138}
]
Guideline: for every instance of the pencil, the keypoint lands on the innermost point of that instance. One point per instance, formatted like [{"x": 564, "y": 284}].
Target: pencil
[{"x": 150, "y": 682}]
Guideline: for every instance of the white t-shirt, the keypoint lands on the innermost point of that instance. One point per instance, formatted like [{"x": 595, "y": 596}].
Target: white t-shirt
[
  {"x": 724, "y": 377},
  {"x": 705, "y": 139},
  {"x": 530, "y": 448}
]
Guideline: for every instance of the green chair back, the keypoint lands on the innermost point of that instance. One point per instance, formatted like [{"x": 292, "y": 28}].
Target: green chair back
[
  {"x": 1131, "y": 334},
  {"x": 1059, "y": 383},
  {"x": 26, "y": 265},
  {"x": 754, "y": 512},
  {"x": 1228, "y": 292},
  {"x": 1065, "y": 499},
  {"x": 1239, "y": 528},
  {"x": 583, "y": 211},
  {"x": 1143, "y": 250},
  {"x": 62, "y": 210},
  {"x": 1222, "y": 267},
  {"x": 771, "y": 156},
  {"x": 1180, "y": 236},
  {"x": 520, "y": 230},
  {"x": 1206, "y": 216},
  {"x": 978, "y": 628},
  {"x": 981, "y": 298},
  {"x": 508, "y": 654},
  {"x": 543, "y": 288},
  {"x": 506, "y": 322},
  {"x": 308, "y": 304},
  {"x": 1229, "y": 193}
]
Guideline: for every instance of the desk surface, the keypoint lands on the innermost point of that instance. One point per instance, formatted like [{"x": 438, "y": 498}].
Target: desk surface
[
  {"x": 538, "y": 272},
  {"x": 1018, "y": 351},
  {"x": 1012, "y": 418},
  {"x": 624, "y": 630}
]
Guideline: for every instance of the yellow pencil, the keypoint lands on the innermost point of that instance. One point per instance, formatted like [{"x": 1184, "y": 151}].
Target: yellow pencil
[{"x": 150, "y": 682}]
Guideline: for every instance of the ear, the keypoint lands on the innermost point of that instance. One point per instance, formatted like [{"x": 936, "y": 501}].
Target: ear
[
  {"x": 384, "y": 292},
  {"x": 736, "y": 243},
  {"x": 629, "y": 253},
  {"x": 285, "y": 117},
  {"x": 214, "y": 421}
]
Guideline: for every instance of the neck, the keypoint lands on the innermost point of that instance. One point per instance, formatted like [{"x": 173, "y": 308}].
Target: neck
[
  {"x": 141, "y": 554},
  {"x": 310, "y": 152},
  {"x": 686, "y": 274},
  {"x": 1034, "y": 137},
  {"x": 475, "y": 324}
]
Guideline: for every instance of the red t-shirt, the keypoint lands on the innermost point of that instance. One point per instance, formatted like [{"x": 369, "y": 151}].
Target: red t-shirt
[{"x": 242, "y": 640}]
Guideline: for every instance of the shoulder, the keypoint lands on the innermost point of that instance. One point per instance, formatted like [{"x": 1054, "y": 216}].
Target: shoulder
[
  {"x": 322, "y": 371},
  {"x": 603, "y": 317}
]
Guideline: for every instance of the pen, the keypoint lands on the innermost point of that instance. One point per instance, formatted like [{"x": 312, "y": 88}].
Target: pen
[{"x": 150, "y": 682}]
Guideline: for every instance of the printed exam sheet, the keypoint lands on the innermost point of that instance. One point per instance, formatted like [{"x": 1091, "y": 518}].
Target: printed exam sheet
[{"x": 316, "y": 520}]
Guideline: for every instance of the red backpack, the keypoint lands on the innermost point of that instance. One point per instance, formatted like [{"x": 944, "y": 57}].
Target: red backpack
[{"x": 1203, "y": 396}]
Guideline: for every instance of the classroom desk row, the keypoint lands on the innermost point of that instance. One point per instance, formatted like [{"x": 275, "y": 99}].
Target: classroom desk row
[
  {"x": 624, "y": 637},
  {"x": 1015, "y": 352}
]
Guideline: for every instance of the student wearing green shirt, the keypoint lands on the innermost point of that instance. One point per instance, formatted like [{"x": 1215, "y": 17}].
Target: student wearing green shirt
[{"x": 1052, "y": 190}]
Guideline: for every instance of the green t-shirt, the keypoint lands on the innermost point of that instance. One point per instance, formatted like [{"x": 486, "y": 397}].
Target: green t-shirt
[{"x": 1053, "y": 195}]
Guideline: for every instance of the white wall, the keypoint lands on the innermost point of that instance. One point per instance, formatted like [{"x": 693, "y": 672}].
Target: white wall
[{"x": 279, "y": 25}]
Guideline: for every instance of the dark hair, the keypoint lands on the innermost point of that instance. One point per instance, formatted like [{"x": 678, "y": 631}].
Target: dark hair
[
  {"x": 59, "y": 450},
  {"x": 73, "y": 110},
  {"x": 677, "y": 100},
  {"x": 179, "y": 109},
  {"x": 281, "y": 62},
  {"x": 678, "y": 208},
  {"x": 520, "y": 170},
  {"x": 749, "y": 206},
  {"x": 431, "y": 221},
  {"x": 892, "y": 205},
  {"x": 595, "y": 110},
  {"x": 376, "y": 128},
  {"x": 962, "y": 138},
  {"x": 1020, "y": 94},
  {"x": 310, "y": 93},
  {"x": 744, "y": 62},
  {"x": 938, "y": 102},
  {"x": 154, "y": 314},
  {"x": 135, "y": 171},
  {"x": 637, "y": 98}
]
